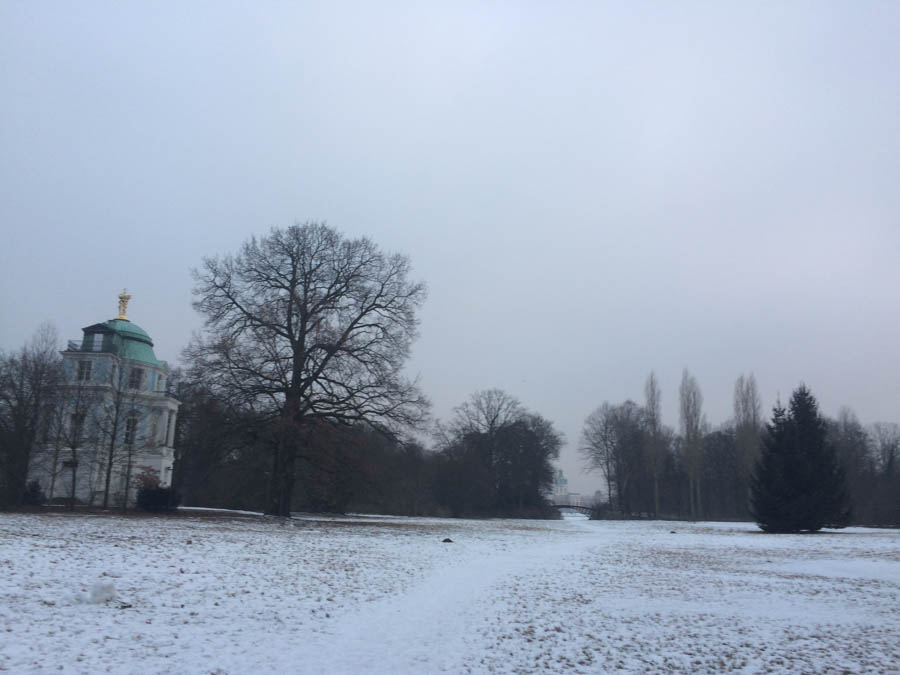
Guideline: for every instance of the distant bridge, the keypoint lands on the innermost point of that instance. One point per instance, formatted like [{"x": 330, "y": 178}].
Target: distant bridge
[{"x": 589, "y": 510}]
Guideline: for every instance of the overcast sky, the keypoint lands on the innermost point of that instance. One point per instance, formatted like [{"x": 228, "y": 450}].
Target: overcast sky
[{"x": 590, "y": 190}]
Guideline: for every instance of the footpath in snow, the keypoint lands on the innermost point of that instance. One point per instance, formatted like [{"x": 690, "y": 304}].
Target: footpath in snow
[{"x": 386, "y": 595}]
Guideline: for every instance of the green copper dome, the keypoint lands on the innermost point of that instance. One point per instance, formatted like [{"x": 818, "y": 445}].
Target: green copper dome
[
  {"x": 128, "y": 328},
  {"x": 131, "y": 341}
]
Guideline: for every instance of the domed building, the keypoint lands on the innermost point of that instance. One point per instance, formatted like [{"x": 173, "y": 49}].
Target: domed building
[{"x": 114, "y": 423}]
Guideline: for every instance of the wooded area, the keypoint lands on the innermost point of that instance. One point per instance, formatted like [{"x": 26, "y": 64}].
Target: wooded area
[
  {"x": 294, "y": 397},
  {"x": 699, "y": 472}
]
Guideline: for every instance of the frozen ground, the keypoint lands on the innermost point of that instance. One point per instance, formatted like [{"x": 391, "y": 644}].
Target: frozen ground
[{"x": 385, "y": 595}]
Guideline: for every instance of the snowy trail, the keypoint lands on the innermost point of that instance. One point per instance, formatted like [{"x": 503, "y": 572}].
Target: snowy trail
[
  {"x": 384, "y": 595},
  {"x": 437, "y": 626}
]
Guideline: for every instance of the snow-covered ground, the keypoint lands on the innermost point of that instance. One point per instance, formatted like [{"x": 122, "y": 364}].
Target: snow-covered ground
[{"x": 386, "y": 595}]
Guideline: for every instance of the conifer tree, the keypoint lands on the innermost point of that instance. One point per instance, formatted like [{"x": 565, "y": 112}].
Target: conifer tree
[{"x": 798, "y": 485}]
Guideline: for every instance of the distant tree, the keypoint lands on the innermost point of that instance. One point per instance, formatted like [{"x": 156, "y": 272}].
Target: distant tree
[
  {"x": 613, "y": 441},
  {"x": 28, "y": 384},
  {"x": 463, "y": 481},
  {"x": 748, "y": 427},
  {"x": 496, "y": 458},
  {"x": 599, "y": 445},
  {"x": 486, "y": 412},
  {"x": 886, "y": 449},
  {"x": 524, "y": 466},
  {"x": 691, "y": 417},
  {"x": 724, "y": 489},
  {"x": 886, "y": 441},
  {"x": 210, "y": 441},
  {"x": 478, "y": 423},
  {"x": 798, "y": 485},
  {"x": 654, "y": 442},
  {"x": 413, "y": 479},
  {"x": 305, "y": 325},
  {"x": 853, "y": 449}
]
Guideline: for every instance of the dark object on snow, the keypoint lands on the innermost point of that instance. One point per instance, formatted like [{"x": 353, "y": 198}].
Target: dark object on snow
[
  {"x": 158, "y": 499},
  {"x": 34, "y": 495},
  {"x": 671, "y": 531},
  {"x": 447, "y": 540},
  {"x": 798, "y": 485}
]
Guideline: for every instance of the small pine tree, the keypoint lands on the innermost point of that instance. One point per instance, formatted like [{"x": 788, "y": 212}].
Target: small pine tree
[{"x": 798, "y": 485}]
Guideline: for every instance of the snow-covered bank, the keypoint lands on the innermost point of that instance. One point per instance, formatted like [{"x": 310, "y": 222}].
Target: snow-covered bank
[{"x": 387, "y": 595}]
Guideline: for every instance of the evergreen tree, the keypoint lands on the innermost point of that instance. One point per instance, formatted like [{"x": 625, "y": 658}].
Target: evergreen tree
[{"x": 798, "y": 484}]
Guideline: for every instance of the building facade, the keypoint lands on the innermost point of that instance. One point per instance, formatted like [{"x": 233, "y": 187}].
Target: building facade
[
  {"x": 561, "y": 494},
  {"x": 114, "y": 423}
]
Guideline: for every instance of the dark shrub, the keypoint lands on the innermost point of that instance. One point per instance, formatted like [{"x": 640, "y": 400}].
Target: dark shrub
[
  {"x": 34, "y": 495},
  {"x": 157, "y": 499}
]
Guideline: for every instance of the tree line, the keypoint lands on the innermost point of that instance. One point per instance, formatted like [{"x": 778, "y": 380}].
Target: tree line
[
  {"x": 294, "y": 397},
  {"x": 652, "y": 470},
  {"x": 494, "y": 457}
]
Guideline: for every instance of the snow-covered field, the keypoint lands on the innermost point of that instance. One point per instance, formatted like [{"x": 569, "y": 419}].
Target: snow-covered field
[{"x": 235, "y": 594}]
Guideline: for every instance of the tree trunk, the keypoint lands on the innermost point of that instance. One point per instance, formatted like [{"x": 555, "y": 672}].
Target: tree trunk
[
  {"x": 53, "y": 471},
  {"x": 656, "y": 495},
  {"x": 281, "y": 488},
  {"x": 691, "y": 496},
  {"x": 128, "y": 478},
  {"x": 107, "y": 481},
  {"x": 74, "y": 483}
]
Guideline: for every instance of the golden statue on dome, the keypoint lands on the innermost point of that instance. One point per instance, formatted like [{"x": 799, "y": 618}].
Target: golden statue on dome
[{"x": 123, "y": 305}]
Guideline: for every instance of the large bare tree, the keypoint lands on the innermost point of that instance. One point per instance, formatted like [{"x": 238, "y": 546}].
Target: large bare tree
[{"x": 304, "y": 325}]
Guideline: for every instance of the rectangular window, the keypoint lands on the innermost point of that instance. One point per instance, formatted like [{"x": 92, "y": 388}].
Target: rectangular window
[
  {"x": 136, "y": 378},
  {"x": 130, "y": 429},
  {"x": 154, "y": 428},
  {"x": 98, "y": 342},
  {"x": 170, "y": 429},
  {"x": 84, "y": 371},
  {"x": 77, "y": 429}
]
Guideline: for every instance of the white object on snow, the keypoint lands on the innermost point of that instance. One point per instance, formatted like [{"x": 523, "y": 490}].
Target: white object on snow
[{"x": 102, "y": 591}]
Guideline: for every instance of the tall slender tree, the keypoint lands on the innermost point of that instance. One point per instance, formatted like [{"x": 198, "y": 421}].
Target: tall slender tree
[
  {"x": 691, "y": 416},
  {"x": 747, "y": 430},
  {"x": 654, "y": 445},
  {"x": 598, "y": 447}
]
